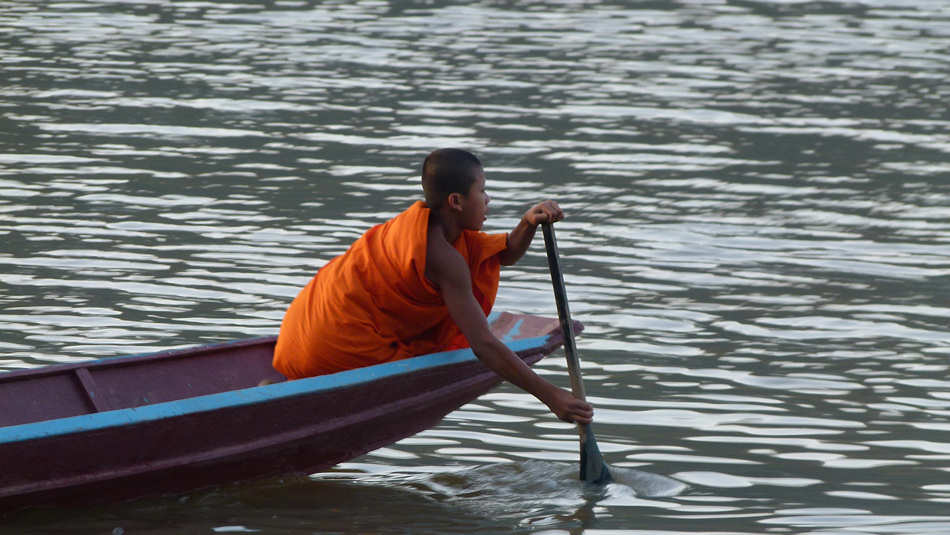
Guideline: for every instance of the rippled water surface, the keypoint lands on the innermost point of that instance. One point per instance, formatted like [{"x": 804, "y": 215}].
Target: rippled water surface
[{"x": 758, "y": 240}]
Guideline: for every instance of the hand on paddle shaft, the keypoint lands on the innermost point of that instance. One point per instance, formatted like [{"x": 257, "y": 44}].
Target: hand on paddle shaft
[
  {"x": 543, "y": 212},
  {"x": 570, "y": 409},
  {"x": 519, "y": 239}
]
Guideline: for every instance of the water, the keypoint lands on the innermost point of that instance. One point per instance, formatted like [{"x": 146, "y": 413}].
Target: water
[{"x": 758, "y": 200}]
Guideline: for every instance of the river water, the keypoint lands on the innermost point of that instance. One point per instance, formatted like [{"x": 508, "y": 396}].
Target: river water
[{"x": 757, "y": 240}]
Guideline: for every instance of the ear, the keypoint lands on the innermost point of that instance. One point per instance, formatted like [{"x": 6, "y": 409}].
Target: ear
[{"x": 454, "y": 201}]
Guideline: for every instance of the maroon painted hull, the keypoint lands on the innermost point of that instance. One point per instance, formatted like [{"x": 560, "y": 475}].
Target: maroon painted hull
[{"x": 120, "y": 428}]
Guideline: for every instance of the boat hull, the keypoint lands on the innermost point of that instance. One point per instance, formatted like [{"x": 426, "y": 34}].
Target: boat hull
[{"x": 302, "y": 426}]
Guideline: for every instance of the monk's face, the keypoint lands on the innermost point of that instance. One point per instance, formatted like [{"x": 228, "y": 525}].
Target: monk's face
[{"x": 475, "y": 204}]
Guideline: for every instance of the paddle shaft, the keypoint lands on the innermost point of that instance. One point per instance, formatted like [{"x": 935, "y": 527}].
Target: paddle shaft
[
  {"x": 593, "y": 467},
  {"x": 563, "y": 311}
]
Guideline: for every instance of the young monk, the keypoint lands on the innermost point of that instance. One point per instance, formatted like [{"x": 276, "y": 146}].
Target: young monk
[{"x": 420, "y": 283}]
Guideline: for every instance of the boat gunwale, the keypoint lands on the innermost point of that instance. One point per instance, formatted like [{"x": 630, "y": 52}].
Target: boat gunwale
[{"x": 139, "y": 358}]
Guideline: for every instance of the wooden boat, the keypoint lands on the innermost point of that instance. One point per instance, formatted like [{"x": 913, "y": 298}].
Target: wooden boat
[{"x": 178, "y": 420}]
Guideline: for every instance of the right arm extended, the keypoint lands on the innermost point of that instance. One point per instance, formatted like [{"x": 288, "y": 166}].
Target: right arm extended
[{"x": 447, "y": 269}]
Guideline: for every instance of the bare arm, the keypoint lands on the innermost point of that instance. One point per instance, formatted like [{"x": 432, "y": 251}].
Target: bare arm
[
  {"x": 519, "y": 239},
  {"x": 447, "y": 269}
]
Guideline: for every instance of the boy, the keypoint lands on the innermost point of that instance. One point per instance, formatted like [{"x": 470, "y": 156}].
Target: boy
[{"x": 422, "y": 282}]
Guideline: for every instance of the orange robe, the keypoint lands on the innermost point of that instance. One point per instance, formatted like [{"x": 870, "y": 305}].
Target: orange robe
[{"x": 373, "y": 304}]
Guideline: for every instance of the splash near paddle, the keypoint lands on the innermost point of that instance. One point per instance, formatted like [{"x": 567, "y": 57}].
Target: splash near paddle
[{"x": 593, "y": 468}]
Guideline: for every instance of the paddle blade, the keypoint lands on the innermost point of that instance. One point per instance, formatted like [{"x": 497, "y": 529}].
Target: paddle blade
[{"x": 593, "y": 468}]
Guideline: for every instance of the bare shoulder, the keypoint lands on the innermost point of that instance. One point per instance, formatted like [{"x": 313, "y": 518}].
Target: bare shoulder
[{"x": 444, "y": 264}]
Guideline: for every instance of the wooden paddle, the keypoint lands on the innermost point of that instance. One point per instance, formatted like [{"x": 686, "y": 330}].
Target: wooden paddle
[{"x": 593, "y": 468}]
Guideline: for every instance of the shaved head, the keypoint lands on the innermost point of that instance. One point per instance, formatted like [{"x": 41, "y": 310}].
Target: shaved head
[{"x": 447, "y": 171}]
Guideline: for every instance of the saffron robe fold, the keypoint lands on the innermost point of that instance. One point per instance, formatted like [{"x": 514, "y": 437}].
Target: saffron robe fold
[{"x": 373, "y": 304}]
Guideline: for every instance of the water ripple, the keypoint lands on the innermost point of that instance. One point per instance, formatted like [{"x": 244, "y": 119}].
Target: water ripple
[{"x": 756, "y": 236}]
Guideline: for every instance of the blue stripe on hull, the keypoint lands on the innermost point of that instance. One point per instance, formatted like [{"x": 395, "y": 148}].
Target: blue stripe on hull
[{"x": 246, "y": 396}]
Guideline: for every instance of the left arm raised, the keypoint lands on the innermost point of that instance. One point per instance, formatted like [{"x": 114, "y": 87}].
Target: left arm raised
[{"x": 519, "y": 239}]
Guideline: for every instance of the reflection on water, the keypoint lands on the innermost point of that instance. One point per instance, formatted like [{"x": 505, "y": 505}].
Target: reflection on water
[
  {"x": 758, "y": 209},
  {"x": 491, "y": 497}
]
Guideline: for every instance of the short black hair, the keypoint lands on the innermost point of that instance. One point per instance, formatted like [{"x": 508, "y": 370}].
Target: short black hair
[{"x": 447, "y": 171}]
